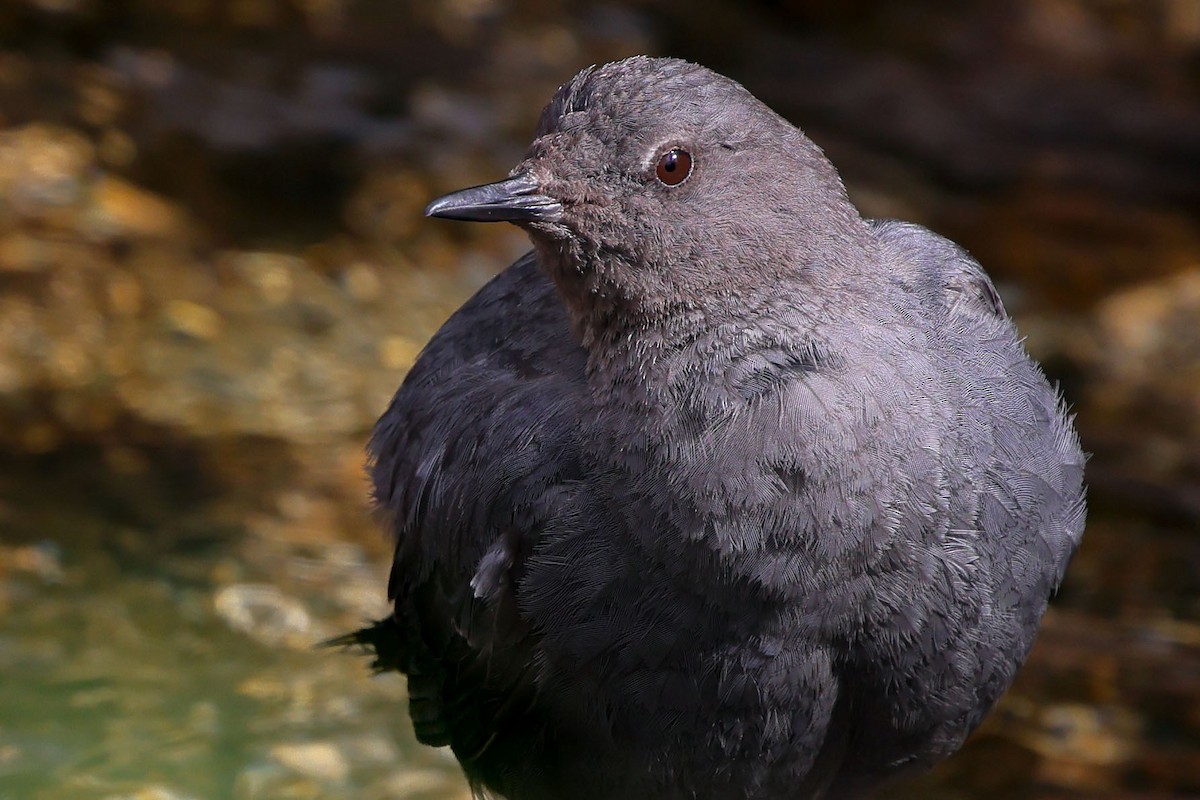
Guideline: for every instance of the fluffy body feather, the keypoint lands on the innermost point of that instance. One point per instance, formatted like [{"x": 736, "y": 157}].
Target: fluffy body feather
[{"x": 722, "y": 491}]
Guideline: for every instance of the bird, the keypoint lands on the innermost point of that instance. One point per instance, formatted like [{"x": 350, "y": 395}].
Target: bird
[{"x": 722, "y": 491}]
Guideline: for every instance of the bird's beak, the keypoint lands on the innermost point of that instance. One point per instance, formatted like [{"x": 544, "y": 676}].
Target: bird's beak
[{"x": 516, "y": 199}]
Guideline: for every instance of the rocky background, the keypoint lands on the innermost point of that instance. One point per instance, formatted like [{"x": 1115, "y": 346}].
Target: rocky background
[{"x": 214, "y": 271}]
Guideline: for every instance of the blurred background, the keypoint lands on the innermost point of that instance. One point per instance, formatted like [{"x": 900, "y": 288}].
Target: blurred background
[{"x": 214, "y": 272}]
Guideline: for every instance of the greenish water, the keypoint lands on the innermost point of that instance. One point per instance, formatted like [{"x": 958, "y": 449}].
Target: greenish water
[
  {"x": 174, "y": 656},
  {"x": 162, "y": 608}
]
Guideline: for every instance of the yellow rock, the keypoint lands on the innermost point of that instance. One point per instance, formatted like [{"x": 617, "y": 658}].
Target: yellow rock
[
  {"x": 122, "y": 207},
  {"x": 321, "y": 760},
  {"x": 193, "y": 319}
]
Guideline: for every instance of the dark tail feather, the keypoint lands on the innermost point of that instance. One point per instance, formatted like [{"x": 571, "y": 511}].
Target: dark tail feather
[
  {"x": 384, "y": 641},
  {"x": 381, "y": 639}
]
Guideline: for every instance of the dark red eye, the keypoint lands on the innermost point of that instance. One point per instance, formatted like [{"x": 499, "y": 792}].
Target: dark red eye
[{"x": 674, "y": 166}]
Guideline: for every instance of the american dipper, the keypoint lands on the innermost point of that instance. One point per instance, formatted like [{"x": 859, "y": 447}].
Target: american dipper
[{"x": 722, "y": 491}]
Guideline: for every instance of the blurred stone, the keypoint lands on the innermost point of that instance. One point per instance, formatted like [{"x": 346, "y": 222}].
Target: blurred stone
[
  {"x": 271, "y": 781},
  {"x": 22, "y": 252},
  {"x": 278, "y": 351},
  {"x": 1087, "y": 734},
  {"x": 377, "y": 749},
  {"x": 125, "y": 295},
  {"x": 192, "y": 319},
  {"x": 1142, "y": 398},
  {"x": 150, "y": 793},
  {"x": 1084, "y": 747},
  {"x": 320, "y": 760},
  {"x": 264, "y": 613},
  {"x": 122, "y": 209},
  {"x": 43, "y": 560},
  {"x": 271, "y": 273},
  {"x": 1150, "y": 340},
  {"x": 362, "y": 282},
  {"x": 409, "y": 784},
  {"x": 42, "y": 167}
]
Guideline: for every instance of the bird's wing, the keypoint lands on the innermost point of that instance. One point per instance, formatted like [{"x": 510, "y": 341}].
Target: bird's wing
[
  {"x": 983, "y": 346},
  {"x": 940, "y": 266},
  {"x": 1009, "y": 470},
  {"x": 482, "y": 428}
]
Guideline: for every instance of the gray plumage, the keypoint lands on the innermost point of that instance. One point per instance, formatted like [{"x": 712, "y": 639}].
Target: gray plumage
[{"x": 722, "y": 491}]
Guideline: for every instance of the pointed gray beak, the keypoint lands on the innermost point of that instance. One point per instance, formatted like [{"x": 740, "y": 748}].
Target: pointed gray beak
[{"x": 516, "y": 199}]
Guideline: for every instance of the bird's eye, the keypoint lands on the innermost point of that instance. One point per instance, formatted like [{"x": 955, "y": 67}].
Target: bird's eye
[{"x": 674, "y": 166}]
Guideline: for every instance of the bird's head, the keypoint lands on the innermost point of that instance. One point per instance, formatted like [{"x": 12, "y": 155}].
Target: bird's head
[{"x": 655, "y": 187}]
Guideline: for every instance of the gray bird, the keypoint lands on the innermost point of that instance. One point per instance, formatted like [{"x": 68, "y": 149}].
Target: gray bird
[{"x": 722, "y": 491}]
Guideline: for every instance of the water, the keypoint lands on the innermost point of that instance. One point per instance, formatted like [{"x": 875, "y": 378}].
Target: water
[{"x": 168, "y": 649}]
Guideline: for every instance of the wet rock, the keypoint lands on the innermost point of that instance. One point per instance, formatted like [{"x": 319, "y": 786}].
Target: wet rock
[
  {"x": 1141, "y": 403},
  {"x": 1084, "y": 747},
  {"x": 419, "y": 784},
  {"x": 264, "y": 613},
  {"x": 272, "y": 780},
  {"x": 150, "y": 793},
  {"x": 1149, "y": 344},
  {"x": 373, "y": 749},
  {"x": 43, "y": 560},
  {"x": 254, "y": 343},
  {"x": 1087, "y": 734},
  {"x": 322, "y": 761},
  {"x": 43, "y": 169},
  {"x": 192, "y": 319},
  {"x": 120, "y": 210}
]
